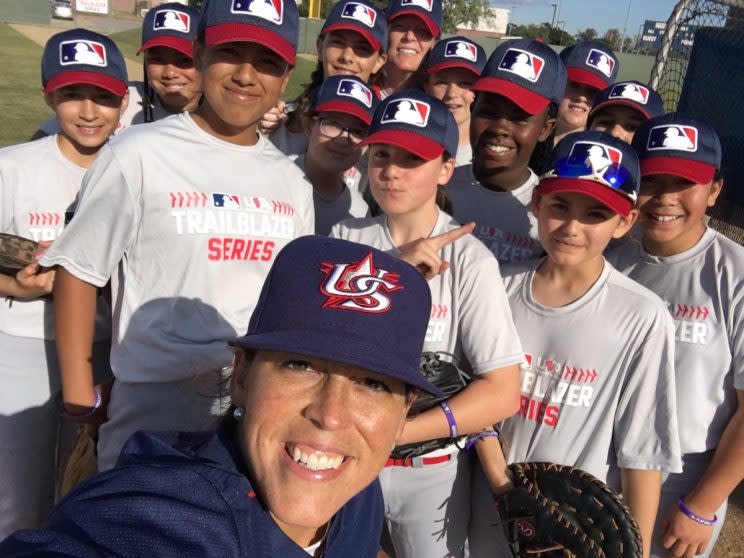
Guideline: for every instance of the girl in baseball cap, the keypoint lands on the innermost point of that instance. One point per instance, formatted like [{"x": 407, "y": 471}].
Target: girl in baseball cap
[
  {"x": 427, "y": 484},
  {"x": 621, "y": 108}
]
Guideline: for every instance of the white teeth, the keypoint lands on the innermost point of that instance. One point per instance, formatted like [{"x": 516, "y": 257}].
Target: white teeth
[
  {"x": 406, "y": 51},
  {"x": 296, "y": 454},
  {"x": 497, "y": 148},
  {"x": 665, "y": 218},
  {"x": 315, "y": 462}
]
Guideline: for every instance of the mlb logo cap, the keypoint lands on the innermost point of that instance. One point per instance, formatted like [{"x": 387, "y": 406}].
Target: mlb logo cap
[
  {"x": 345, "y": 302},
  {"x": 362, "y": 17},
  {"x": 591, "y": 63},
  {"x": 597, "y": 165},
  {"x": 417, "y": 122},
  {"x": 274, "y": 24},
  {"x": 429, "y": 11},
  {"x": 456, "y": 52},
  {"x": 680, "y": 146},
  {"x": 82, "y": 56},
  {"x": 527, "y": 72},
  {"x": 171, "y": 25},
  {"x": 347, "y": 94},
  {"x": 633, "y": 94}
]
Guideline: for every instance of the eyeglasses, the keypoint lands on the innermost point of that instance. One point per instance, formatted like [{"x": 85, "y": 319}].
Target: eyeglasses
[
  {"x": 613, "y": 175},
  {"x": 332, "y": 129}
]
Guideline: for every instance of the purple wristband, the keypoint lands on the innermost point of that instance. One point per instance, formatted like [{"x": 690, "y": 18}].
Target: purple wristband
[
  {"x": 450, "y": 419},
  {"x": 91, "y": 410},
  {"x": 695, "y": 517},
  {"x": 485, "y": 434}
]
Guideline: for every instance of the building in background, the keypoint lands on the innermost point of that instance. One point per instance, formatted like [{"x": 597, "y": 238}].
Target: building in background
[{"x": 494, "y": 24}]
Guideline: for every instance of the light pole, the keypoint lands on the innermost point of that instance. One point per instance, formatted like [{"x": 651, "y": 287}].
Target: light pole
[
  {"x": 552, "y": 22},
  {"x": 561, "y": 23},
  {"x": 625, "y": 27}
]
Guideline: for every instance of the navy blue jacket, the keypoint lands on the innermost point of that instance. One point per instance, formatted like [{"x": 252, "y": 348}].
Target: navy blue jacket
[{"x": 178, "y": 495}]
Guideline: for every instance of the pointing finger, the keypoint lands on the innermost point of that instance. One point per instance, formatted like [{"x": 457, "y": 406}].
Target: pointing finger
[{"x": 440, "y": 241}]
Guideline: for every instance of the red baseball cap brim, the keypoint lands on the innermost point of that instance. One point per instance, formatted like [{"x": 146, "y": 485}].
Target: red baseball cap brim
[
  {"x": 243, "y": 32},
  {"x": 530, "y": 102},
  {"x": 694, "y": 171},
  {"x": 419, "y": 145},
  {"x": 613, "y": 199},
  {"x": 356, "y": 28},
  {"x": 184, "y": 46},
  {"x": 446, "y": 65},
  {"x": 624, "y": 102},
  {"x": 345, "y": 108},
  {"x": 580, "y": 75},
  {"x": 63, "y": 79},
  {"x": 430, "y": 25}
]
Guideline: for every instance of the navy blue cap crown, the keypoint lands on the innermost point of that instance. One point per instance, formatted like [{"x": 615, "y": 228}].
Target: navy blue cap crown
[
  {"x": 362, "y": 17},
  {"x": 347, "y": 94},
  {"x": 430, "y": 11},
  {"x": 591, "y": 62},
  {"x": 82, "y": 56},
  {"x": 344, "y": 302},
  {"x": 456, "y": 52},
  {"x": 171, "y": 25},
  {"x": 633, "y": 94}
]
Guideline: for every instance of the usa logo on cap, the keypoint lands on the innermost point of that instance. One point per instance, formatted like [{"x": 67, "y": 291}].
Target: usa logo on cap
[
  {"x": 631, "y": 91},
  {"x": 601, "y": 61},
  {"x": 598, "y": 156},
  {"x": 270, "y": 10},
  {"x": 406, "y": 111},
  {"x": 354, "y": 89},
  {"x": 525, "y": 64},
  {"x": 82, "y": 52},
  {"x": 360, "y": 12},
  {"x": 461, "y": 49},
  {"x": 172, "y": 20},
  {"x": 673, "y": 137},
  {"x": 425, "y": 4},
  {"x": 226, "y": 201},
  {"x": 358, "y": 286}
]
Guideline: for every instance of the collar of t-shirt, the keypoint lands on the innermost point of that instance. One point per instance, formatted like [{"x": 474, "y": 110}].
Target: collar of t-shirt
[
  {"x": 439, "y": 227},
  {"x": 522, "y": 193},
  {"x": 464, "y": 155},
  {"x": 701, "y": 246},
  {"x": 194, "y": 128}
]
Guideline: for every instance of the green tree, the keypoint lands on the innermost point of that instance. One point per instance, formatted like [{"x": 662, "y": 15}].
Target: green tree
[
  {"x": 458, "y": 13},
  {"x": 588, "y": 34},
  {"x": 613, "y": 39}
]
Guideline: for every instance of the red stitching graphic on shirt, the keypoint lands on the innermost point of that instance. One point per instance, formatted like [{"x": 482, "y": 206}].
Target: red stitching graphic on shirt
[
  {"x": 44, "y": 219},
  {"x": 439, "y": 311},
  {"x": 282, "y": 208},
  {"x": 692, "y": 312},
  {"x": 520, "y": 240},
  {"x": 188, "y": 199},
  {"x": 580, "y": 374}
]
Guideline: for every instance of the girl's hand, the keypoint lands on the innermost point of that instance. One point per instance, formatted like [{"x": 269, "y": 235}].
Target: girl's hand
[
  {"x": 684, "y": 537},
  {"x": 273, "y": 119},
  {"x": 34, "y": 281},
  {"x": 423, "y": 254}
]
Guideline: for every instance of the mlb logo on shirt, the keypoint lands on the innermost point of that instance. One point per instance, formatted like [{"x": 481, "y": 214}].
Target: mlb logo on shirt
[
  {"x": 600, "y": 61},
  {"x": 82, "y": 52},
  {"x": 407, "y": 111},
  {"x": 598, "y": 156},
  {"x": 425, "y": 4},
  {"x": 461, "y": 49},
  {"x": 631, "y": 91},
  {"x": 354, "y": 89},
  {"x": 226, "y": 201},
  {"x": 172, "y": 20},
  {"x": 525, "y": 64},
  {"x": 270, "y": 10},
  {"x": 673, "y": 137},
  {"x": 361, "y": 13}
]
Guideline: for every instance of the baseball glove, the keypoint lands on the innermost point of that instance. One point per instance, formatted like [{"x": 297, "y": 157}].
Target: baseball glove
[
  {"x": 81, "y": 463},
  {"x": 16, "y": 253},
  {"x": 555, "y": 510}
]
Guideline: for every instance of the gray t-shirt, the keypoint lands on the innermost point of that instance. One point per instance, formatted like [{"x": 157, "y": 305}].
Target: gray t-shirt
[
  {"x": 464, "y": 155},
  {"x": 503, "y": 220},
  {"x": 470, "y": 316},
  {"x": 703, "y": 289},
  {"x": 598, "y": 378},
  {"x": 186, "y": 226}
]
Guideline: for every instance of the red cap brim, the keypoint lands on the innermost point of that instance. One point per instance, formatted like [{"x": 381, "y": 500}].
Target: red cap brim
[
  {"x": 63, "y": 79},
  {"x": 530, "y": 102},
  {"x": 433, "y": 27},
  {"x": 625, "y": 102},
  {"x": 694, "y": 171},
  {"x": 446, "y": 65},
  {"x": 356, "y": 28},
  {"x": 184, "y": 46},
  {"x": 243, "y": 32},
  {"x": 580, "y": 75},
  {"x": 345, "y": 107},
  {"x": 424, "y": 147},
  {"x": 613, "y": 199}
]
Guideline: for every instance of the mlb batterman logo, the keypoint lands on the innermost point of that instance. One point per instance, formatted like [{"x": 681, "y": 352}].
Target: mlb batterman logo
[
  {"x": 171, "y": 20},
  {"x": 425, "y": 4},
  {"x": 600, "y": 61},
  {"x": 82, "y": 52},
  {"x": 360, "y": 12},
  {"x": 461, "y": 49},
  {"x": 407, "y": 111},
  {"x": 597, "y": 156},
  {"x": 671, "y": 137},
  {"x": 359, "y": 286},
  {"x": 355, "y": 90},
  {"x": 270, "y": 10},
  {"x": 522, "y": 63},
  {"x": 630, "y": 91}
]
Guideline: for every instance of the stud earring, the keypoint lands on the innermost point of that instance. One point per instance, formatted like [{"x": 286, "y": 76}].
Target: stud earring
[{"x": 238, "y": 413}]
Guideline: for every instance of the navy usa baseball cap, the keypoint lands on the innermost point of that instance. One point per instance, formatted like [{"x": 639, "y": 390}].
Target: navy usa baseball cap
[
  {"x": 347, "y": 94},
  {"x": 345, "y": 302},
  {"x": 171, "y": 25},
  {"x": 274, "y": 24},
  {"x": 430, "y": 12},
  {"x": 362, "y": 17},
  {"x": 591, "y": 63},
  {"x": 595, "y": 164},
  {"x": 678, "y": 145},
  {"x": 527, "y": 72},
  {"x": 417, "y": 122},
  {"x": 633, "y": 94},
  {"x": 456, "y": 52},
  {"x": 82, "y": 56}
]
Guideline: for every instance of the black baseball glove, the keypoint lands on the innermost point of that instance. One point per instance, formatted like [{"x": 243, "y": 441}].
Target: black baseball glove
[
  {"x": 555, "y": 510},
  {"x": 16, "y": 253}
]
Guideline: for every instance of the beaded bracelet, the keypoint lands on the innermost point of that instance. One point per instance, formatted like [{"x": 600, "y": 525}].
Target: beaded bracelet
[
  {"x": 450, "y": 419},
  {"x": 695, "y": 517},
  {"x": 480, "y": 436},
  {"x": 91, "y": 410}
]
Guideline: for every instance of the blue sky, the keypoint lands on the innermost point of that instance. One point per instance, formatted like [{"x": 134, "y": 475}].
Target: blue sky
[{"x": 580, "y": 14}]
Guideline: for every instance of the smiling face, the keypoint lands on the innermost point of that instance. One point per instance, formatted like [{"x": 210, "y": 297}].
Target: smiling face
[
  {"x": 672, "y": 212},
  {"x": 314, "y": 434},
  {"x": 346, "y": 52},
  {"x": 453, "y": 87},
  {"x": 173, "y": 77},
  {"x": 575, "y": 106},
  {"x": 409, "y": 41},
  {"x": 620, "y": 121},
  {"x": 334, "y": 154}
]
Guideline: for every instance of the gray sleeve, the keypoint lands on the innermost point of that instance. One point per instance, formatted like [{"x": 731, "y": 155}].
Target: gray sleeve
[
  {"x": 308, "y": 216},
  {"x": 736, "y": 338},
  {"x": 50, "y": 126},
  {"x": 105, "y": 224},
  {"x": 645, "y": 433}
]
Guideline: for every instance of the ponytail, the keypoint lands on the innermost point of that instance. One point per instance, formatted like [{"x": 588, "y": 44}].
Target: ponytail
[{"x": 442, "y": 199}]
